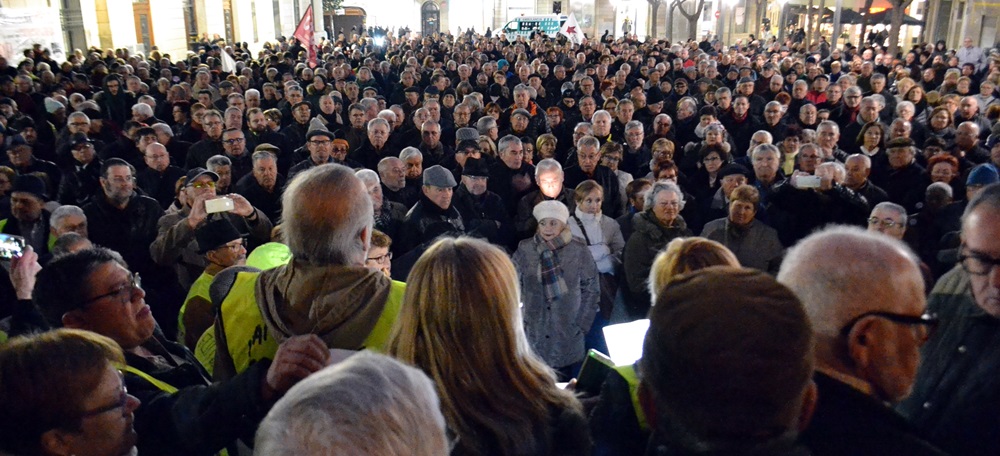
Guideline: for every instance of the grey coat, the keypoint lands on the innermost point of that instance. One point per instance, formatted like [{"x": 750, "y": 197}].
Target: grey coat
[
  {"x": 556, "y": 330},
  {"x": 757, "y": 247}
]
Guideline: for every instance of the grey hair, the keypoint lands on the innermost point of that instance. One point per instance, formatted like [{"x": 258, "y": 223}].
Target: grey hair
[
  {"x": 379, "y": 121},
  {"x": 662, "y": 186},
  {"x": 763, "y": 149},
  {"x": 369, "y": 405},
  {"x": 586, "y": 125},
  {"x": 263, "y": 155},
  {"x": 215, "y": 161},
  {"x": 588, "y": 141},
  {"x": 328, "y": 216},
  {"x": 903, "y": 104},
  {"x": 504, "y": 143},
  {"x": 250, "y": 92},
  {"x": 829, "y": 124},
  {"x": 77, "y": 115},
  {"x": 939, "y": 188},
  {"x": 161, "y": 127},
  {"x": 601, "y": 113},
  {"x": 897, "y": 209},
  {"x": 634, "y": 125},
  {"x": 62, "y": 212},
  {"x": 854, "y": 90},
  {"x": 67, "y": 241},
  {"x": 548, "y": 165},
  {"x": 520, "y": 88},
  {"x": 864, "y": 159},
  {"x": 767, "y": 134},
  {"x": 485, "y": 123},
  {"x": 143, "y": 108},
  {"x": 367, "y": 176},
  {"x": 385, "y": 112},
  {"x": 410, "y": 152},
  {"x": 989, "y": 196}
]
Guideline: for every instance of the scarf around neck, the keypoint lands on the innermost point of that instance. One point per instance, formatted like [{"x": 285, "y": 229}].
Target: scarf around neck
[{"x": 549, "y": 267}]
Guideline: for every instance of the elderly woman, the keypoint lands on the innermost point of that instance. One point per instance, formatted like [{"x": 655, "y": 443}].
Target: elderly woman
[
  {"x": 661, "y": 149},
  {"x": 945, "y": 168},
  {"x": 940, "y": 125},
  {"x": 755, "y": 244},
  {"x": 653, "y": 228},
  {"x": 560, "y": 288},
  {"x": 603, "y": 237},
  {"x": 62, "y": 394},
  {"x": 545, "y": 147},
  {"x": 462, "y": 327}
]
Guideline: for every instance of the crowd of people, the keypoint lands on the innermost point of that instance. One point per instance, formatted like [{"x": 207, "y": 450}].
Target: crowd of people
[{"x": 401, "y": 248}]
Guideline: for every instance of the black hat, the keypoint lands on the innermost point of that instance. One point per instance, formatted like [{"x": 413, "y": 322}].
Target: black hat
[
  {"x": 195, "y": 173},
  {"x": 27, "y": 183},
  {"x": 466, "y": 144},
  {"x": 370, "y": 88},
  {"x": 296, "y": 105},
  {"x": 432, "y": 90},
  {"x": 78, "y": 139},
  {"x": 412, "y": 89},
  {"x": 475, "y": 167},
  {"x": 568, "y": 93},
  {"x": 708, "y": 111},
  {"x": 215, "y": 234},
  {"x": 226, "y": 85},
  {"x": 655, "y": 96},
  {"x": 746, "y": 80},
  {"x": 144, "y": 131},
  {"x": 734, "y": 168},
  {"x": 449, "y": 91}
]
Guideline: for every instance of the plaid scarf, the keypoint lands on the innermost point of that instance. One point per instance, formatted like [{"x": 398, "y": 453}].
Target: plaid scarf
[{"x": 549, "y": 268}]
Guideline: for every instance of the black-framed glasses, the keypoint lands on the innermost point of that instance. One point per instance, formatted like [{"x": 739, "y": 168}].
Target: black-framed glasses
[
  {"x": 381, "y": 259},
  {"x": 123, "y": 293},
  {"x": 119, "y": 404},
  {"x": 885, "y": 223},
  {"x": 928, "y": 321},
  {"x": 976, "y": 263}
]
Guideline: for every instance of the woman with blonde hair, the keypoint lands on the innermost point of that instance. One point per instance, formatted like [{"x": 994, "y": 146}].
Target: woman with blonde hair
[
  {"x": 685, "y": 255},
  {"x": 462, "y": 327}
]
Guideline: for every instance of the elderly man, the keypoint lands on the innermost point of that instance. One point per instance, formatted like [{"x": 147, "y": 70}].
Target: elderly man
[
  {"x": 67, "y": 219},
  {"x": 433, "y": 150},
  {"x": 753, "y": 329},
  {"x": 82, "y": 181},
  {"x": 376, "y": 147},
  {"x": 868, "y": 112},
  {"x": 234, "y": 146},
  {"x": 181, "y": 410},
  {"x": 588, "y": 167},
  {"x": 888, "y": 218},
  {"x": 827, "y": 136},
  {"x": 369, "y": 405},
  {"x": 201, "y": 151},
  {"x": 905, "y": 180},
  {"x": 159, "y": 179},
  {"x": 969, "y": 110},
  {"x": 326, "y": 290},
  {"x": 262, "y": 187},
  {"x": 635, "y": 152},
  {"x": 174, "y": 243},
  {"x": 550, "y": 178},
  {"x": 766, "y": 164},
  {"x": 968, "y": 145},
  {"x": 319, "y": 144},
  {"x": 433, "y": 215},
  {"x": 858, "y": 167},
  {"x": 22, "y": 159},
  {"x": 602, "y": 127},
  {"x": 389, "y": 215},
  {"x": 482, "y": 211},
  {"x": 864, "y": 294},
  {"x": 510, "y": 177},
  {"x": 956, "y": 394},
  {"x": 969, "y": 53},
  {"x": 177, "y": 148},
  {"x": 29, "y": 218}
]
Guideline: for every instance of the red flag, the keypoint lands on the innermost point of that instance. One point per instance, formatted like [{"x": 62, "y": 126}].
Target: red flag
[{"x": 304, "y": 33}]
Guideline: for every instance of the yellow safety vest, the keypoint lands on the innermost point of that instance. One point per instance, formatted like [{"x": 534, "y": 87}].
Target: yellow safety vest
[
  {"x": 248, "y": 338},
  {"x": 198, "y": 289},
  {"x": 49, "y": 244},
  {"x": 628, "y": 373},
  {"x": 204, "y": 350}
]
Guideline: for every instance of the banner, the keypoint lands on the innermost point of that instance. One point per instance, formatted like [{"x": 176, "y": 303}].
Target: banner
[
  {"x": 22, "y": 28},
  {"x": 304, "y": 33}
]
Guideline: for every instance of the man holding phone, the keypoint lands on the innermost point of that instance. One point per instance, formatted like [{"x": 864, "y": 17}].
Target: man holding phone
[{"x": 175, "y": 243}]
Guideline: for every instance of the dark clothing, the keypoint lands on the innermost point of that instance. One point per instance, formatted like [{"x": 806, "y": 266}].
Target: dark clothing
[
  {"x": 54, "y": 176},
  {"x": 872, "y": 193},
  {"x": 484, "y": 215},
  {"x": 80, "y": 184},
  {"x": 128, "y": 231},
  {"x": 202, "y": 417},
  {"x": 525, "y": 222},
  {"x": 201, "y": 151},
  {"x": 905, "y": 186},
  {"x": 956, "y": 396},
  {"x": 612, "y": 206},
  {"x": 848, "y": 421},
  {"x": 407, "y": 196},
  {"x": 160, "y": 186},
  {"x": 798, "y": 212},
  {"x": 426, "y": 221},
  {"x": 511, "y": 184},
  {"x": 267, "y": 202},
  {"x": 648, "y": 239}
]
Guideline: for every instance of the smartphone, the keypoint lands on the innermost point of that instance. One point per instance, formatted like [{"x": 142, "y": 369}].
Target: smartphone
[
  {"x": 808, "y": 181},
  {"x": 596, "y": 367},
  {"x": 223, "y": 204},
  {"x": 11, "y": 246}
]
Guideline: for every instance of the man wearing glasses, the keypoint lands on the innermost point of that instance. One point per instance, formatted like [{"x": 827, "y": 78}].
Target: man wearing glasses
[
  {"x": 864, "y": 294},
  {"x": 201, "y": 151},
  {"x": 957, "y": 393}
]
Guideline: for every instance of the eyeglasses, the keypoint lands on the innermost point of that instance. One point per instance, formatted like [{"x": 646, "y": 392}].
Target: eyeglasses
[
  {"x": 977, "y": 263},
  {"x": 928, "y": 321},
  {"x": 886, "y": 223},
  {"x": 322, "y": 142},
  {"x": 234, "y": 141},
  {"x": 201, "y": 185},
  {"x": 120, "y": 404},
  {"x": 123, "y": 293},
  {"x": 381, "y": 259},
  {"x": 213, "y": 124},
  {"x": 236, "y": 247}
]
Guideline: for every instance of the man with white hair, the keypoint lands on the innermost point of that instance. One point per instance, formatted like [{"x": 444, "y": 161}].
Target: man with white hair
[
  {"x": 588, "y": 167},
  {"x": 368, "y": 405},
  {"x": 864, "y": 295},
  {"x": 327, "y": 290},
  {"x": 888, "y": 218},
  {"x": 68, "y": 219}
]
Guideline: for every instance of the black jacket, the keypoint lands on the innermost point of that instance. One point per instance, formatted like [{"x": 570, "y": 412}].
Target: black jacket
[{"x": 426, "y": 221}]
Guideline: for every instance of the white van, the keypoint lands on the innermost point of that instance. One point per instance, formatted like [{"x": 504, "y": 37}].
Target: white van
[{"x": 524, "y": 25}]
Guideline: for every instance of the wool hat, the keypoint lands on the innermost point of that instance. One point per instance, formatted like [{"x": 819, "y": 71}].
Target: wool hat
[
  {"x": 51, "y": 105},
  {"x": 466, "y": 134},
  {"x": 216, "y": 233},
  {"x": 984, "y": 174},
  {"x": 438, "y": 176},
  {"x": 551, "y": 209},
  {"x": 27, "y": 183},
  {"x": 521, "y": 112},
  {"x": 734, "y": 168},
  {"x": 475, "y": 167}
]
